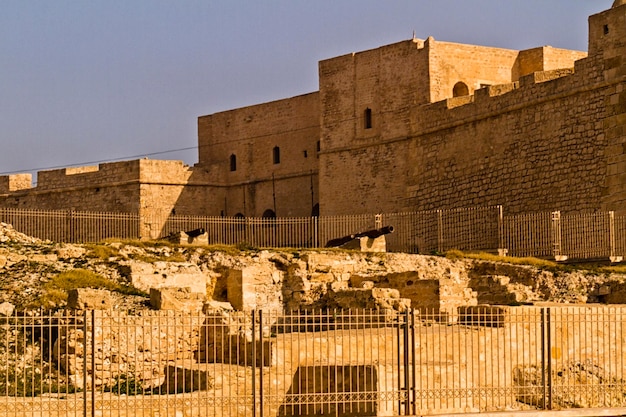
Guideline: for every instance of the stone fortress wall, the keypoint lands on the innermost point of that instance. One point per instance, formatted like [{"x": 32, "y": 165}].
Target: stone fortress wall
[{"x": 419, "y": 124}]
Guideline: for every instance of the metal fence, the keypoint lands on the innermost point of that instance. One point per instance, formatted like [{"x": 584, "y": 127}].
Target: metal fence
[
  {"x": 72, "y": 226},
  {"x": 341, "y": 363},
  {"x": 545, "y": 234}
]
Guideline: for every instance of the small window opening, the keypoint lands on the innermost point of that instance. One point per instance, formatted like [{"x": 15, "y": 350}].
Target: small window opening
[
  {"x": 606, "y": 29},
  {"x": 460, "y": 89},
  {"x": 319, "y": 146},
  {"x": 368, "y": 118},
  {"x": 276, "y": 155},
  {"x": 233, "y": 162},
  {"x": 306, "y": 154}
]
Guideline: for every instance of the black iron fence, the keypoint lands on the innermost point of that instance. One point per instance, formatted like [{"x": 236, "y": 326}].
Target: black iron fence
[
  {"x": 545, "y": 234},
  {"x": 342, "y": 363}
]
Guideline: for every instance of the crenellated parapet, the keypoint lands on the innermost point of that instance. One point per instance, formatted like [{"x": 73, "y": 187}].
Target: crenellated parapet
[{"x": 15, "y": 182}]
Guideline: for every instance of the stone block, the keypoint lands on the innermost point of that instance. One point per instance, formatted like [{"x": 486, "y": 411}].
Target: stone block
[
  {"x": 176, "y": 299},
  {"x": 255, "y": 287},
  {"x": 7, "y": 309},
  {"x": 179, "y": 380},
  {"x": 89, "y": 299}
]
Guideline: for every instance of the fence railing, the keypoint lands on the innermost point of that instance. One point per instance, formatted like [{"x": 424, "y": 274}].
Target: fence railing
[
  {"x": 356, "y": 363},
  {"x": 545, "y": 234}
]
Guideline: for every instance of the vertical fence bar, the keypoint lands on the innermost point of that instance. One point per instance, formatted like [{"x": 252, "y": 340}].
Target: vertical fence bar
[
  {"x": 612, "y": 255},
  {"x": 556, "y": 235},
  {"x": 549, "y": 356},
  {"x": 413, "y": 365},
  {"x": 261, "y": 364},
  {"x": 543, "y": 359},
  {"x": 93, "y": 361}
]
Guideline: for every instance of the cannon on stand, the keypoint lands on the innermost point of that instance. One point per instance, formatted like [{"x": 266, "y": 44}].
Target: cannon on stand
[
  {"x": 369, "y": 241},
  {"x": 192, "y": 237}
]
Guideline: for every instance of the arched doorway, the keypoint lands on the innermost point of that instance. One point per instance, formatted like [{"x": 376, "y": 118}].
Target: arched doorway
[{"x": 269, "y": 214}]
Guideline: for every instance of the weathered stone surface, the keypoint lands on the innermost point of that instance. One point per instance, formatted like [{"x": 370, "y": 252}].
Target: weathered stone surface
[
  {"x": 89, "y": 299},
  {"x": 608, "y": 390},
  {"x": 255, "y": 286},
  {"x": 177, "y": 299},
  {"x": 226, "y": 337},
  {"x": 6, "y": 309},
  {"x": 178, "y": 379},
  {"x": 168, "y": 274},
  {"x": 67, "y": 251}
]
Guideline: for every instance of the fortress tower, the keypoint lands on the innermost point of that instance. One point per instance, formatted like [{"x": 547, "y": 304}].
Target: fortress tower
[{"x": 415, "y": 125}]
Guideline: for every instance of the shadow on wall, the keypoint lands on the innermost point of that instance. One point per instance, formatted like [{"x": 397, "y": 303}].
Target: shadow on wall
[{"x": 341, "y": 391}]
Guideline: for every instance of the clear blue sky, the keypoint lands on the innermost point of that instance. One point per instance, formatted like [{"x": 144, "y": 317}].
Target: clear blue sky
[{"x": 96, "y": 80}]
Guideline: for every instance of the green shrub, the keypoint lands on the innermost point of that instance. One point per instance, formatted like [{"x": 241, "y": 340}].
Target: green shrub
[
  {"x": 103, "y": 252},
  {"x": 30, "y": 381},
  {"x": 126, "y": 385},
  {"x": 55, "y": 291},
  {"x": 536, "y": 262}
]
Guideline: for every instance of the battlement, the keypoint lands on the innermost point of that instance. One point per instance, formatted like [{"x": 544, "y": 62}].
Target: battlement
[
  {"x": 106, "y": 174},
  {"x": 16, "y": 182}
]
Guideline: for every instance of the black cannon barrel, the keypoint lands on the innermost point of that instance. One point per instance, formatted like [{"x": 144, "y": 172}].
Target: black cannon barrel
[
  {"x": 195, "y": 232},
  {"x": 333, "y": 243},
  {"x": 372, "y": 234}
]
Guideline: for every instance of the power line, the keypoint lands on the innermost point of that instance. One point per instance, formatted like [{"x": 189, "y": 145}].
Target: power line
[
  {"x": 99, "y": 161},
  {"x": 239, "y": 139}
]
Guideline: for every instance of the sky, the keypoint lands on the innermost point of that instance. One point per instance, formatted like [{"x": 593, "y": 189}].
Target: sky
[{"x": 84, "y": 82}]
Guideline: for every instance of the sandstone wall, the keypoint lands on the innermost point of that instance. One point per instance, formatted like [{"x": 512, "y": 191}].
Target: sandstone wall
[
  {"x": 275, "y": 151},
  {"x": 551, "y": 141}
]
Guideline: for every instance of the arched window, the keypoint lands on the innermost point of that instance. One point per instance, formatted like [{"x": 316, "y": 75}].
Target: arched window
[
  {"x": 460, "y": 89},
  {"x": 269, "y": 214},
  {"x": 276, "y": 155},
  {"x": 233, "y": 162},
  {"x": 367, "y": 116},
  {"x": 239, "y": 216}
]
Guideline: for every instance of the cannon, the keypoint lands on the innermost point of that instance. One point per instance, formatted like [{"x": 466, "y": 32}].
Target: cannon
[
  {"x": 372, "y": 234},
  {"x": 195, "y": 232}
]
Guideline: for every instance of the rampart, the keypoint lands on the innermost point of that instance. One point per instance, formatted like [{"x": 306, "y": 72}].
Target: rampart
[
  {"x": 545, "y": 141},
  {"x": 265, "y": 156},
  {"x": 419, "y": 124}
]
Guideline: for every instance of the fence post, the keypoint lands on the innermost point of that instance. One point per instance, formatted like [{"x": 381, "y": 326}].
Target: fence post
[
  {"x": 85, "y": 357},
  {"x": 93, "y": 362},
  {"x": 253, "y": 363},
  {"x": 378, "y": 221},
  {"x": 247, "y": 232},
  {"x": 316, "y": 235},
  {"x": 556, "y": 237},
  {"x": 502, "y": 251},
  {"x": 613, "y": 257},
  {"x": 440, "y": 231}
]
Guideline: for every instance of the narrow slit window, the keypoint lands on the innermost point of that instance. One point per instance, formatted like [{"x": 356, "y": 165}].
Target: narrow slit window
[
  {"x": 276, "y": 155},
  {"x": 233, "y": 162},
  {"x": 368, "y": 118}
]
